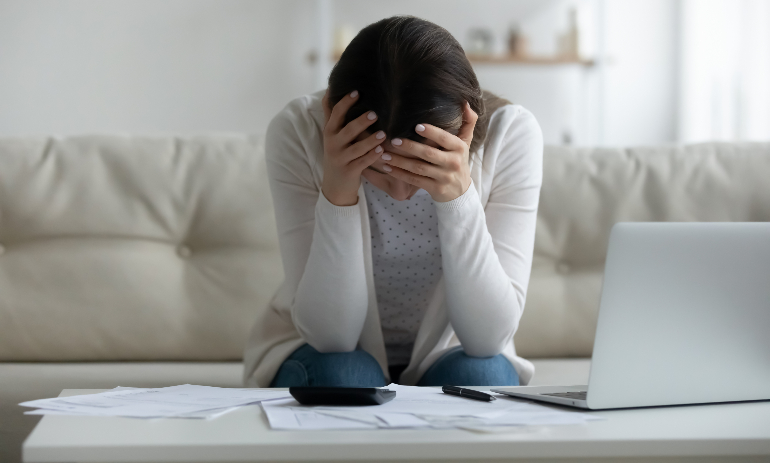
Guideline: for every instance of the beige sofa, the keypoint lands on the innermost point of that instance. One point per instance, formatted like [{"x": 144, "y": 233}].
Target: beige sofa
[{"x": 142, "y": 261}]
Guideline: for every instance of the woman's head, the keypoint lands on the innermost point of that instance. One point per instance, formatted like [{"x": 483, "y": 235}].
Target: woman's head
[{"x": 408, "y": 71}]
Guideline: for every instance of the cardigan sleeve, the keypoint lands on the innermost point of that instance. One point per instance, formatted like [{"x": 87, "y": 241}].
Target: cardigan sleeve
[
  {"x": 321, "y": 244},
  {"x": 487, "y": 252}
]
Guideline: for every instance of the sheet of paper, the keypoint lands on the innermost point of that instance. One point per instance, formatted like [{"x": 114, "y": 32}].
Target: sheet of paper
[
  {"x": 288, "y": 415},
  {"x": 419, "y": 408},
  {"x": 185, "y": 401},
  {"x": 402, "y": 420},
  {"x": 185, "y": 395},
  {"x": 207, "y": 414}
]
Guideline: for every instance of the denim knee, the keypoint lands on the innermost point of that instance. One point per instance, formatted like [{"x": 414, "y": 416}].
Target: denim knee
[
  {"x": 460, "y": 369},
  {"x": 291, "y": 373},
  {"x": 308, "y": 367}
]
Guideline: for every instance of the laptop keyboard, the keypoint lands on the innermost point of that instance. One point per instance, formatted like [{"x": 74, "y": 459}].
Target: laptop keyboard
[{"x": 580, "y": 395}]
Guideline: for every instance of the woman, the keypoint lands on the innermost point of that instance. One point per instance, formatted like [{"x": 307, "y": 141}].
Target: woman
[{"x": 406, "y": 202}]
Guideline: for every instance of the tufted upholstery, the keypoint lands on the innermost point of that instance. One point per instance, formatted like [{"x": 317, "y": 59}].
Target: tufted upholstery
[
  {"x": 121, "y": 247},
  {"x": 145, "y": 248},
  {"x": 585, "y": 191}
]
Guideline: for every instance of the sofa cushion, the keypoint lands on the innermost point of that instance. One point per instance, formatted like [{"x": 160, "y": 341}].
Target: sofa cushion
[
  {"x": 586, "y": 191},
  {"x": 140, "y": 248}
]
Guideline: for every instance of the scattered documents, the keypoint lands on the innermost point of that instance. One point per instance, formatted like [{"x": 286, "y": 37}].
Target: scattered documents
[
  {"x": 185, "y": 401},
  {"x": 413, "y": 407},
  {"x": 418, "y": 407}
]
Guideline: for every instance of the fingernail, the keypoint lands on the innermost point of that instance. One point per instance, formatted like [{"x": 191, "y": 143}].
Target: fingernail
[
  {"x": 420, "y": 128},
  {"x": 371, "y": 116},
  {"x": 354, "y": 94},
  {"x": 380, "y": 135},
  {"x": 378, "y": 150},
  {"x": 387, "y": 157},
  {"x": 396, "y": 141},
  {"x": 386, "y": 168}
]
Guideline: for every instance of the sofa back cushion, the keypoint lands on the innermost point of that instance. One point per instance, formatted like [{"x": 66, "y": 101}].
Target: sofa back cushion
[
  {"x": 586, "y": 191},
  {"x": 146, "y": 248},
  {"x": 123, "y": 247}
]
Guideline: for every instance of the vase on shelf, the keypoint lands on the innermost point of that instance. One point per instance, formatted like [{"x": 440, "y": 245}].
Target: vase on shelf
[
  {"x": 569, "y": 42},
  {"x": 517, "y": 42}
]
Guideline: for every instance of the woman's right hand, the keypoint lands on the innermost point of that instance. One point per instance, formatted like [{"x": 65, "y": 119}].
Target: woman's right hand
[{"x": 345, "y": 157}]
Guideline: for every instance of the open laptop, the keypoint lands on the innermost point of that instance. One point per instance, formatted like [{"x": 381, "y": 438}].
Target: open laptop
[{"x": 684, "y": 318}]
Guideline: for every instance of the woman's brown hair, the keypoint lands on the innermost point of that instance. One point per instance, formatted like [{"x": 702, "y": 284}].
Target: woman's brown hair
[{"x": 410, "y": 71}]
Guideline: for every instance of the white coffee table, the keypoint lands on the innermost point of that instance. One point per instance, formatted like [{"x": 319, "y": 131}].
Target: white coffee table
[{"x": 694, "y": 433}]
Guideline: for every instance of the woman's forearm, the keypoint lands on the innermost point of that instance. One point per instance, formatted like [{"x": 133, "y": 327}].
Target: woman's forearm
[
  {"x": 330, "y": 304},
  {"x": 484, "y": 302},
  {"x": 487, "y": 250}
]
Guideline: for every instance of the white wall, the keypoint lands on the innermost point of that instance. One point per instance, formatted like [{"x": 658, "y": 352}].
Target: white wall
[
  {"x": 640, "y": 83},
  {"x": 179, "y": 66},
  {"x": 725, "y": 71},
  {"x": 184, "y": 66}
]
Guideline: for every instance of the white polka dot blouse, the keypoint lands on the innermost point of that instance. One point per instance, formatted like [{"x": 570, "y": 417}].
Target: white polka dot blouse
[{"x": 406, "y": 258}]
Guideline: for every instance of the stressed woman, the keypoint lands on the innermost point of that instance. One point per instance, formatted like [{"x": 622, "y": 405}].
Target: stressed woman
[{"x": 405, "y": 199}]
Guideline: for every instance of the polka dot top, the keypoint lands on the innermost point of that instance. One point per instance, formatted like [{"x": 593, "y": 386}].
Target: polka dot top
[{"x": 406, "y": 258}]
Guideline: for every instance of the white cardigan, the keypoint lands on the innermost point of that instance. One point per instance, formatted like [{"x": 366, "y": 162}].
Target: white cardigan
[{"x": 487, "y": 238}]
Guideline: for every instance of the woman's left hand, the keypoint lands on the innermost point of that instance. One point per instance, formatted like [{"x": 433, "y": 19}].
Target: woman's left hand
[{"x": 443, "y": 172}]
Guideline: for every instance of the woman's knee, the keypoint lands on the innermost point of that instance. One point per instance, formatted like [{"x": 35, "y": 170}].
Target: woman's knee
[
  {"x": 333, "y": 369},
  {"x": 290, "y": 374},
  {"x": 460, "y": 369}
]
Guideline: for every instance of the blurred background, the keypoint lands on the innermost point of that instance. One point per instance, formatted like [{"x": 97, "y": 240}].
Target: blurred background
[{"x": 594, "y": 72}]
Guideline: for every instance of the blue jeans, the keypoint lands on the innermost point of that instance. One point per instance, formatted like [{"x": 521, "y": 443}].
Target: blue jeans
[{"x": 308, "y": 367}]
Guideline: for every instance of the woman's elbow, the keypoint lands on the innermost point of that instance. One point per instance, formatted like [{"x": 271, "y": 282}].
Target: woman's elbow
[
  {"x": 332, "y": 345},
  {"x": 483, "y": 349},
  {"x": 492, "y": 342},
  {"x": 326, "y": 338}
]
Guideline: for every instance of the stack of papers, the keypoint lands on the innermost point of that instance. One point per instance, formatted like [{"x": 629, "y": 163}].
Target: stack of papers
[
  {"x": 419, "y": 407},
  {"x": 185, "y": 401}
]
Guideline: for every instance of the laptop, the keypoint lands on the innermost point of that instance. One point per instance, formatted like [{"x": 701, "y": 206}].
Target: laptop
[{"x": 684, "y": 318}]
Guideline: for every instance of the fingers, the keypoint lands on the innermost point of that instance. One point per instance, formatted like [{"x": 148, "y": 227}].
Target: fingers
[
  {"x": 356, "y": 126},
  {"x": 444, "y": 139},
  {"x": 413, "y": 179},
  {"x": 367, "y": 160},
  {"x": 469, "y": 123},
  {"x": 420, "y": 150},
  {"x": 337, "y": 117},
  {"x": 417, "y": 167},
  {"x": 362, "y": 147}
]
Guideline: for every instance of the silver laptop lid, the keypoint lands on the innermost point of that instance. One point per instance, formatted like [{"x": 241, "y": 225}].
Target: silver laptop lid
[{"x": 684, "y": 315}]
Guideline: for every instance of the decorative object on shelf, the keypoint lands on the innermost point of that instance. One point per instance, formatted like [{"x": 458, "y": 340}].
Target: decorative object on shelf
[
  {"x": 343, "y": 35},
  {"x": 569, "y": 45},
  {"x": 517, "y": 42},
  {"x": 481, "y": 42}
]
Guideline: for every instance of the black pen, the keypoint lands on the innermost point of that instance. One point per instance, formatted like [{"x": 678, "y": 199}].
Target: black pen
[{"x": 469, "y": 393}]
